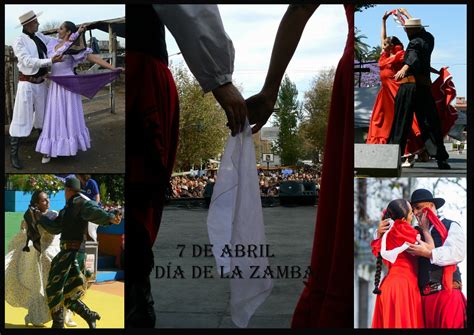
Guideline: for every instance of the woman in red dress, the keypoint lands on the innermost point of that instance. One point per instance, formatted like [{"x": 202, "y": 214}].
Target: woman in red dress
[
  {"x": 398, "y": 303},
  {"x": 391, "y": 60}
]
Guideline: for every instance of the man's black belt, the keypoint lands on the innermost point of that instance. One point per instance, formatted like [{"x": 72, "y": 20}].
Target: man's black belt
[
  {"x": 71, "y": 245},
  {"x": 435, "y": 287}
]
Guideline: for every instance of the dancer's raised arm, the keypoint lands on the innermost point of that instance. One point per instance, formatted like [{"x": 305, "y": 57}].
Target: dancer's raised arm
[
  {"x": 383, "y": 34},
  {"x": 260, "y": 106}
]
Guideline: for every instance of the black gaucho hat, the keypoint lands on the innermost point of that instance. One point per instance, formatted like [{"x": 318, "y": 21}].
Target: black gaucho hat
[
  {"x": 73, "y": 184},
  {"x": 423, "y": 195}
]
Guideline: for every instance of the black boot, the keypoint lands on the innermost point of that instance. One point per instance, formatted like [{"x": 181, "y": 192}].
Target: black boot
[
  {"x": 140, "y": 312},
  {"x": 14, "y": 146},
  {"x": 58, "y": 318},
  {"x": 84, "y": 312}
]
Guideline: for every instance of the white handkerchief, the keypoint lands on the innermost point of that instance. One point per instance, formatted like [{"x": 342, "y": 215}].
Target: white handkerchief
[{"x": 235, "y": 219}]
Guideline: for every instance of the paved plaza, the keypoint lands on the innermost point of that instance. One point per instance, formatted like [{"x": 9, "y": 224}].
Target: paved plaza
[{"x": 204, "y": 303}]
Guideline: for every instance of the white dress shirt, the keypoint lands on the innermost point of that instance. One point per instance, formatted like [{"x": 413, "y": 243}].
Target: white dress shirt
[
  {"x": 206, "y": 48},
  {"x": 26, "y": 52},
  {"x": 454, "y": 248}
]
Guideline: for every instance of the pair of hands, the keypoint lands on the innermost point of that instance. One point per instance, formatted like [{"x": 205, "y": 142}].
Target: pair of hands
[
  {"x": 420, "y": 248},
  {"x": 402, "y": 11},
  {"x": 257, "y": 108}
]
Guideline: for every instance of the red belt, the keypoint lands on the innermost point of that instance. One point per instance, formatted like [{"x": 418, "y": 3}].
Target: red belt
[{"x": 30, "y": 79}]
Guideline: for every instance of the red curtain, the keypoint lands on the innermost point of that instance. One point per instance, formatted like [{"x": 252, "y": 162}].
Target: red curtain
[{"x": 327, "y": 299}]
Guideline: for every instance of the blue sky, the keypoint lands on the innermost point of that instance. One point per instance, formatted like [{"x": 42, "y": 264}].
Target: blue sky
[
  {"x": 252, "y": 29},
  {"x": 447, "y": 23},
  {"x": 54, "y": 13}
]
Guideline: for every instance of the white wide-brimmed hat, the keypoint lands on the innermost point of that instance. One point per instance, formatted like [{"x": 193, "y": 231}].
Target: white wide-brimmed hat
[
  {"x": 28, "y": 17},
  {"x": 413, "y": 23}
]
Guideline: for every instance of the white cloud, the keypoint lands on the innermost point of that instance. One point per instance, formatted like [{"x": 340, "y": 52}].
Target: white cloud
[{"x": 253, "y": 28}]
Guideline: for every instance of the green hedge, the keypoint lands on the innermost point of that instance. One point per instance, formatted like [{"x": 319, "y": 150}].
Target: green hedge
[{"x": 12, "y": 225}]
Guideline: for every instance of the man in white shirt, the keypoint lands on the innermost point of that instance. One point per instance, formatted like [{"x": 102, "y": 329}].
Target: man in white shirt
[
  {"x": 28, "y": 111},
  {"x": 442, "y": 308},
  {"x": 153, "y": 123}
]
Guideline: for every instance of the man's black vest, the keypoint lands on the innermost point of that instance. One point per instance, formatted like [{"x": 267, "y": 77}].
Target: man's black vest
[
  {"x": 428, "y": 272},
  {"x": 74, "y": 227},
  {"x": 145, "y": 31}
]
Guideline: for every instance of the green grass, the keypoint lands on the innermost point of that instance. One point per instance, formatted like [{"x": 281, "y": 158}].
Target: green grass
[{"x": 12, "y": 225}]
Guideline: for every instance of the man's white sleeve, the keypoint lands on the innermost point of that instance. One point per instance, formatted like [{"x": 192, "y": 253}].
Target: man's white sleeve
[
  {"x": 206, "y": 48},
  {"x": 45, "y": 38},
  {"x": 453, "y": 250},
  {"x": 25, "y": 59}
]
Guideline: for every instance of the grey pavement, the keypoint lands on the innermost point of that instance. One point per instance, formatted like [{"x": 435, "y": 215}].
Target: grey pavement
[
  {"x": 204, "y": 303},
  {"x": 458, "y": 162},
  {"x": 107, "y": 152}
]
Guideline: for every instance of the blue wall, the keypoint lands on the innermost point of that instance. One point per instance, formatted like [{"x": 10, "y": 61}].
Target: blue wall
[
  {"x": 18, "y": 201},
  {"x": 115, "y": 229}
]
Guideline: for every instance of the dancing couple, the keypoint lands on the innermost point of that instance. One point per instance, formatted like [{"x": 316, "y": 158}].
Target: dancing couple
[
  {"x": 423, "y": 286},
  {"x": 405, "y": 111},
  {"x": 50, "y": 280},
  {"x": 56, "y": 111}
]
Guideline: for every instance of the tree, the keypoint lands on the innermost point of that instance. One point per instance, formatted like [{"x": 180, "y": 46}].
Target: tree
[
  {"x": 112, "y": 188},
  {"x": 286, "y": 119},
  {"x": 360, "y": 48},
  {"x": 202, "y": 123},
  {"x": 360, "y": 8},
  {"x": 313, "y": 128},
  {"x": 373, "y": 54},
  {"x": 48, "y": 183},
  {"x": 54, "y": 24}
]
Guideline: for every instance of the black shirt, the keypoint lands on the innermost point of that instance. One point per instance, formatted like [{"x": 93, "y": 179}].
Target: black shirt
[{"x": 418, "y": 54}]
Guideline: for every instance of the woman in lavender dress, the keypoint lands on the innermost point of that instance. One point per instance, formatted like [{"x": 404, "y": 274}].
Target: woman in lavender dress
[{"x": 64, "y": 128}]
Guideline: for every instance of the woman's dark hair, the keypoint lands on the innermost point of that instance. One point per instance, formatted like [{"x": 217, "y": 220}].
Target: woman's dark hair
[
  {"x": 393, "y": 40},
  {"x": 70, "y": 26},
  {"x": 35, "y": 198},
  {"x": 396, "y": 209}
]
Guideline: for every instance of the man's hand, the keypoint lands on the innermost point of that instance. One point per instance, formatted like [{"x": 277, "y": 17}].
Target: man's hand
[
  {"x": 57, "y": 59},
  {"x": 229, "y": 97},
  {"x": 400, "y": 74},
  {"x": 421, "y": 249},
  {"x": 423, "y": 222},
  {"x": 260, "y": 108},
  {"x": 384, "y": 225},
  {"x": 404, "y": 12}
]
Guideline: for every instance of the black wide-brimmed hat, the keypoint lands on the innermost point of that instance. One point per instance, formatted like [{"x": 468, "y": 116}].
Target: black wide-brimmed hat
[
  {"x": 73, "y": 184},
  {"x": 423, "y": 195}
]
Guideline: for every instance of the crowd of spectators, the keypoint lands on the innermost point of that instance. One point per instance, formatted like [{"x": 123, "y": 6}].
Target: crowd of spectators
[{"x": 187, "y": 186}]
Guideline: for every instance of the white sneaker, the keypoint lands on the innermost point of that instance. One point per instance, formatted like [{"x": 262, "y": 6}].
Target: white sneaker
[
  {"x": 45, "y": 159},
  {"x": 68, "y": 321},
  {"x": 408, "y": 164}
]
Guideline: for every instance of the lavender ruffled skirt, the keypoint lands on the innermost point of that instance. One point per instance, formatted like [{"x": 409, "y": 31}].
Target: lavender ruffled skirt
[{"x": 64, "y": 128}]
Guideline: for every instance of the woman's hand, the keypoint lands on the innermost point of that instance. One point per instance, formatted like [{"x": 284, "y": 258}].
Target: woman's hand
[
  {"x": 81, "y": 29},
  {"x": 386, "y": 15},
  {"x": 260, "y": 107},
  {"x": 384, "y": 225},
  {"x": 122, "y": 69}
]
